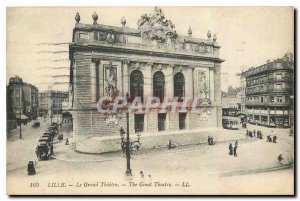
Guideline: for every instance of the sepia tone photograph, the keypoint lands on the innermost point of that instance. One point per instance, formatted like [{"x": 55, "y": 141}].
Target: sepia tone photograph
[{"x": 150, "y": 101}]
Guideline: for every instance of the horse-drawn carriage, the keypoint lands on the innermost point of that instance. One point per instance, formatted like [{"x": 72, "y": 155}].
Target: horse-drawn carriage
[
  {"x": 45, "y": 144},
  {"x": 43, "y": 151}
]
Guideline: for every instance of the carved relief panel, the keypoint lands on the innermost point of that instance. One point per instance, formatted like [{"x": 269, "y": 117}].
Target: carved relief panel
[
  {"x": 110, "y": 80},
  {"x": 202, "y": 84}
]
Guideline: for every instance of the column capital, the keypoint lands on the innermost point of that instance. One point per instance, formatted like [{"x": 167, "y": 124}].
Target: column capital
[{"x": 125, "y": 61}]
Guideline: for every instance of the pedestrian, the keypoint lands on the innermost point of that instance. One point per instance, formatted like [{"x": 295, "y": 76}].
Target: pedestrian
[
  {"x": 30, "y": 168},
  {"x": 67, "y": 141},
  {"x": 208, "y": 140},
  {"x": 274, "y": 139},
  {"x": 236, "y": 144},
  {"x": 170, "y": 144},
  {"x": 51, "y": 150},
  {"x": 247, "y": 132},
  {"x": 260, "y": 136},
  {"x": 235, "y": 151},
  {"x": 230, "y": 149},
  {"x": 269, "y": 138},
  {"x": 142, "y": 175},
  {"x": 254, "y": 133},
  {"x": 211, "y": 141},
  {"x": 280, "y": 158}
]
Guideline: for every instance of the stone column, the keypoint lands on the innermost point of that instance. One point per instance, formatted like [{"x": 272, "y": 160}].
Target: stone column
[
  {"x": 126, "y": 81},
  {"x": 101, "y": 78},
  {"x": 188, "y": 78},
  {"x": 217, "y": 94},
  {"x": 95, "y": 80},
  {"x": 211, "y": 84},
  {"x": 169, "y": 82},
  {"x": 147, "y": 80}
]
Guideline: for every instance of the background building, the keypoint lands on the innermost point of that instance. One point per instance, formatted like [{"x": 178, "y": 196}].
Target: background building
[
  {"x": 242, "y": 92},
  {"x": 50, "y": 102},
  {"x": 231, "y": 98},
  {"x": 269, "y": 89},
  {"x": 144, "y": 62},
  {"x": 22, "y": 101}
]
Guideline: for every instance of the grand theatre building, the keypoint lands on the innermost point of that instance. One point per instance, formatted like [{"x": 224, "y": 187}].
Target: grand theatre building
[{"x": 150, "y": 61}]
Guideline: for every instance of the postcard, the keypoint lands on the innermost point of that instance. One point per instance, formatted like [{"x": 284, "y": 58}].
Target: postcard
[{"x": 150, "y": 101}]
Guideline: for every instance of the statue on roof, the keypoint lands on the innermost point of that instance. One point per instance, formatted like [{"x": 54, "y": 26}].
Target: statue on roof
[{"x": 156, "y": 27}]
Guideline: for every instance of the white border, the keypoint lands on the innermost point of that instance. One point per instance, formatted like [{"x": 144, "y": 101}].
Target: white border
[{"x": 57, "y": 3}]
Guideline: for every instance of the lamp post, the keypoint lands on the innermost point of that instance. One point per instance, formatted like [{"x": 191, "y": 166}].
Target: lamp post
[
  {"x": 128, "y": 170},
  {"x": 128, "y": 146}
]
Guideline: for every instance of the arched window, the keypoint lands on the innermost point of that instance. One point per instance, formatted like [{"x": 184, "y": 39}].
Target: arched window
[
  {"x": 179, "y": 86},
  {"x": 159, "y": 85},
  {"x": 136, "y": 84}
]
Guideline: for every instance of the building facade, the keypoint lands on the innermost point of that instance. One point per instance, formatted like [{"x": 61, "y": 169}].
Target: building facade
[
  {"x": 22, "y": 101},
  {"x": 269, "y": 89},
  {"x": 242, "y": 92},
  {"x": 151, "y": 61},
  {"x": 231, "y": 98},
  {"x": 51, "y": 101}
]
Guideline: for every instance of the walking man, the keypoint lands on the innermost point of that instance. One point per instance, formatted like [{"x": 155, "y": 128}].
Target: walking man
[
  {"x": 274, "y": 139},
  {"x": 230, "y": 149},
  {"x": 235, "y": 151}
]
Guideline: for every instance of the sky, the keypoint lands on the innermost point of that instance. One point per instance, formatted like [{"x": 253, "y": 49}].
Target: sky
[{"x": 38, "y": 37}]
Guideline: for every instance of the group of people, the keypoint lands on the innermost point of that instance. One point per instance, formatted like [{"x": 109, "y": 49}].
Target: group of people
[
  {"x": 233, "y": 150},
  {"x": 210, "y": 140},
  {"x": 272, "y": 139},
  {"x": 253, "y": 133}
]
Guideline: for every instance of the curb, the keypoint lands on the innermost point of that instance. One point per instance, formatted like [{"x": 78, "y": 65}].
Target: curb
[{"x": 258, "y": 170}]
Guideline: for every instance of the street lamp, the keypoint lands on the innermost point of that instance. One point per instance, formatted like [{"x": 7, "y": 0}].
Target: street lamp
[
  {"x": 128, "y": 146},
  {"x": 128, "y": 170}
]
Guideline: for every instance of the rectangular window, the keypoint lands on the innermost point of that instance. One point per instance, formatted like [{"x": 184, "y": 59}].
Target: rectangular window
[
  {"x": 272, "y": 99},
  {"x": 262, "y": 99},
  {"x": 139, "y": 122},
  {"x": 286, "y": 99},
  {"x": 161, "y": 121},
  {"x": 279, "y": 99}
]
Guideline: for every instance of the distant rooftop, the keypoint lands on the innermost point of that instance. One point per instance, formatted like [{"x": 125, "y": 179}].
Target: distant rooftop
[{"x": 286, "y": 62}]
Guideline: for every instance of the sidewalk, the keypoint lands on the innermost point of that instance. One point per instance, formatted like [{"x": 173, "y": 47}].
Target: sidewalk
[{"x": 68, "y": 152}]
